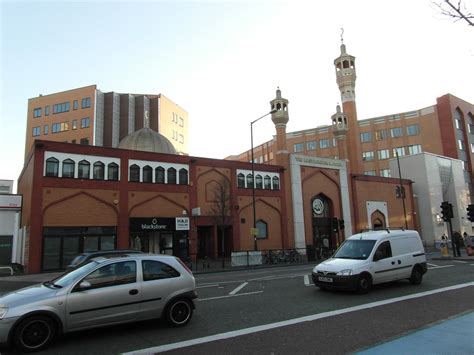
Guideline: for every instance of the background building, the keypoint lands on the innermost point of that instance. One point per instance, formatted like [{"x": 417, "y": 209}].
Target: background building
[
  {"x": 10, "y": 215},
  {"x": 89, "y": 116}
]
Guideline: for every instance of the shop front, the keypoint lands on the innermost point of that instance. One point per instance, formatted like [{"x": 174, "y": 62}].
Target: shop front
[{"x": 161, "y": 235}]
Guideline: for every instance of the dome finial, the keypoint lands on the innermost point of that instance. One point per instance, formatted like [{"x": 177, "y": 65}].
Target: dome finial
[
  {"x": 146, "y": 121},
  {"x": 342, "y": 35}
]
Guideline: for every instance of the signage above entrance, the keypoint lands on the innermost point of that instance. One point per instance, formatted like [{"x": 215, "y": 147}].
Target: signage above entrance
[
  {"x": 182, "y": 223},
  {"x": 152, "y": 224},
  {"x": 318, "y": 206}
]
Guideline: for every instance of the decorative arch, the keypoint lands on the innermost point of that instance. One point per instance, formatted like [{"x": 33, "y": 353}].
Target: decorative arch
[
  {"x": 67, "y": 206},
  {"x": 378, "y": 220},
  {"x": 158, "y": 197}
]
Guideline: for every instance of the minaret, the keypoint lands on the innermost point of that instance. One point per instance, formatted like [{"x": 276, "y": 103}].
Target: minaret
[
  {"x": 280, "y": 118},
  {"x": 346, "y": 78},
  {"x": 339, "y": 129},
  {"x": 279, "y": 109}
]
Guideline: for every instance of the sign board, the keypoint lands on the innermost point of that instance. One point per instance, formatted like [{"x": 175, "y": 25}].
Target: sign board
[
  {"x": 152, "y": 224},
  {"x": 196, "y": 211},
  {"x": 182, "y": 223},
  {"x": 254, "y": 231}
]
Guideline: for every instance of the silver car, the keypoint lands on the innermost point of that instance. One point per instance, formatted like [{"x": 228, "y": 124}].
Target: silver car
[{"x": 102, "y": 292}]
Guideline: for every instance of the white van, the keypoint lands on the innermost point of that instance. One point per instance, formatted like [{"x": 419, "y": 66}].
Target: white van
[{"x": 373, "y": 257}]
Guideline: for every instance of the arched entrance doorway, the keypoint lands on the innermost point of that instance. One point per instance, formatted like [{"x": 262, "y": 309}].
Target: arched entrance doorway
[
  {"x": 322, "y": 211},
  {"x": 377, "y": 220}
]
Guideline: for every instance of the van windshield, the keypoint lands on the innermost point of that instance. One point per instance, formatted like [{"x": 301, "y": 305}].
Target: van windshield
[{"x": 355, "y": 249}]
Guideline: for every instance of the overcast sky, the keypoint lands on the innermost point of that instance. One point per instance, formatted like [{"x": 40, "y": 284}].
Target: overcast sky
[{"x": 223, "y": 60}]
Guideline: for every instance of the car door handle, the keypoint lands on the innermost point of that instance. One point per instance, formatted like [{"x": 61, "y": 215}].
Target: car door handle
[
  {"x": 399, "y": 262},
  {"x": 133, "y": 292}
]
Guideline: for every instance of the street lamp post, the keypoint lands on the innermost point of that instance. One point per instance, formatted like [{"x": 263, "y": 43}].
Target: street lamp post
[
  {"x": 402, "y": 194},
  {"x": 253, "y": 179}
]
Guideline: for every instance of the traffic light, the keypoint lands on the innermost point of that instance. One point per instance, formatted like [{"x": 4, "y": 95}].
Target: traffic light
[
  {"x": 335, "y": 224},
  {"x": 446, "y": 211},
  {"x": 341, "y": 224},
  {"x": 470, "y": 212}
]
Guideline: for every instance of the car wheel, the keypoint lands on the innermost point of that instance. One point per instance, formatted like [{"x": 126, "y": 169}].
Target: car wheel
[
  {"x": 416, "y": 276},
  {"x": 364, "y": 284},
  {"x": 179, "y": 312},
  {"x": 34, "y": 333}
]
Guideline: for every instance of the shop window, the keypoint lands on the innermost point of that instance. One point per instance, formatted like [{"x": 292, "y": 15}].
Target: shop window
[
  {"x": 276, "y": 183},
  {"x": 113, "y": 172},
  {"x": 147, "y": 173},
  {"x": 98, "y": 171},
  {"x": 135, "y": 173},
  {"x": 241, "y": 180},
  {"x": 160, "y": 175},
  {"x": 258, "y": 182},
  {"x": 183, "y": 176},
  {"x": 171, "y": 176},
  {"x": 268, "y": 182},
  {"x": 52, "y": 167},
  {"x": 84, "y": 169},
  {"x": 68, "y": 168}
]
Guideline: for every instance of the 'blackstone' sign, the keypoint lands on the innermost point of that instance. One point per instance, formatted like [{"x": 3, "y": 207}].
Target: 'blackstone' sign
[{"x": 152, "y": 224}]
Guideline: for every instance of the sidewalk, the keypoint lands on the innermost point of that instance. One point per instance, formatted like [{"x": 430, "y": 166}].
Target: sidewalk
[{"x": 452, "y": 336}]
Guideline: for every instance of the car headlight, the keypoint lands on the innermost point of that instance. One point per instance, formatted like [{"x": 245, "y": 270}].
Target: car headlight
[
  {"x": 347, "y": 272},
  {"x": 3, "y": 312}
]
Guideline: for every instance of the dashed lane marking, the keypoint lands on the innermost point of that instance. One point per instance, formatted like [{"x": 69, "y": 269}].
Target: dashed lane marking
[
  {"x": 439, "y": 267},
  {"x": 229, "y": 296},
  {"x": 234, "y": 291}
]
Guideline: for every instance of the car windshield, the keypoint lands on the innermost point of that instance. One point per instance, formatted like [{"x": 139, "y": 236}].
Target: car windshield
[
  {"x": 355, "y": 249},
  {"x": 69, "y": 277}
]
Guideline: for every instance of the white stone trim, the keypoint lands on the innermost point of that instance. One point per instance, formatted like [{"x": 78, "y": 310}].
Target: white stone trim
[
  {"x": 154, "y": 165},
  {"x": 373, "y": 206},
  {"x": 296, "y": 162}
]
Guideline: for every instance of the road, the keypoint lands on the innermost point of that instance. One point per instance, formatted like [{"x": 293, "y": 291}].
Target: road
[{"x": 279, "y": 311}]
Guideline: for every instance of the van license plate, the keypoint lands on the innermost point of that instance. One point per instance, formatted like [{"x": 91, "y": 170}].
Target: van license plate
[{"x": 324, "y": 279}]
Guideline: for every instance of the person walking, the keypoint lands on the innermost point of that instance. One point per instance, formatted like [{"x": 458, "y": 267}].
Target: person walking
[
  {"x": 457, "y": 244},
  {"x": 467, "y": 243}
]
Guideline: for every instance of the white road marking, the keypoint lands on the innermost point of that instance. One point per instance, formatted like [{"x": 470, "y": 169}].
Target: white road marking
[
  {"x": 204, "y": 286},
  {"x": 260, "y": 328},
  {"x": 306, "y": 281},
  {"x": 233, "y": 292},
  {"x": 228, "y": 296},
  {"x": 267, "y": 278},
  {"x": 439, "y": 267},
  {"x": 459, "y": 261},
  {"x": 431, "y": 264}
]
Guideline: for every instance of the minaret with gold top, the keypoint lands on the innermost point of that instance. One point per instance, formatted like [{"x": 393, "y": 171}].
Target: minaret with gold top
[
  {"x": 339, "y": 129},
  {"x": 346, "y": 78}
]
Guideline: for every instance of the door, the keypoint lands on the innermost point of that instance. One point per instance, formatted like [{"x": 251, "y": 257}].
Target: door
[
  {"x": 113, "y": 297},
  {"x": 159, "y": 282},
  {"x": 385, "y": 266}
]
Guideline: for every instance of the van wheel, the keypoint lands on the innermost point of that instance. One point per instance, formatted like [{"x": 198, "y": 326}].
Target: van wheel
[
  {"x": 179, "y": 312},
  {"x": 34, "y": 333},
  {"x": 416, "y": 276},
  {"x": 364, "y": 284}
]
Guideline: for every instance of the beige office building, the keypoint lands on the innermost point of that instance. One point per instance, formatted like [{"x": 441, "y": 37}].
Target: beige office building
[{"x": 89, "y": 116}]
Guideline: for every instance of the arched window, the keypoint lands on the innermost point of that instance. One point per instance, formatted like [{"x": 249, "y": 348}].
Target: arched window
[
  {"x": 98, "y": 171},
  {"x": 258, "y": 182},
  {"x": 276, "y": 183},
  {"x": 84, "y": 169},
  {"x": 113, "y": 172},
  {"x": 134, "y": 173},
  {"x": 262, "y": 229},
  {"x": 68, "y": 168},
  {"x": 183, "y": 176},
  {"x": 147, "y": 173},
  {"x": 241, "y": 180},
  {"x": 160, "y": 175},
  {"x": 268, "y": 182},
  {"x": 52, "y": 167},
  {"x": 171, "y": 176},
  {"x": 249, "y": 181}
]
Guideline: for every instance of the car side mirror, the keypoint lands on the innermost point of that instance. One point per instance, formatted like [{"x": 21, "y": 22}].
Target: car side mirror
[{"x": 84, "y": 285}]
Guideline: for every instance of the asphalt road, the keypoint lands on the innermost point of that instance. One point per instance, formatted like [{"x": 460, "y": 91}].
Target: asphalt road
[{"x": 279, "y": 311}]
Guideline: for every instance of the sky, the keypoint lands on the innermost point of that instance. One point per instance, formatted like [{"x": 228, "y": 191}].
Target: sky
[{"x": 222, "y": 61}]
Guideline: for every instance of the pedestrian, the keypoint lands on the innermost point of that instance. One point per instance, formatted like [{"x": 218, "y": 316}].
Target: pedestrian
[
  {"x": 467, "y": 243},
  {"x": 457, "y": 243},
  {"x": 326, "y": 246}
]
